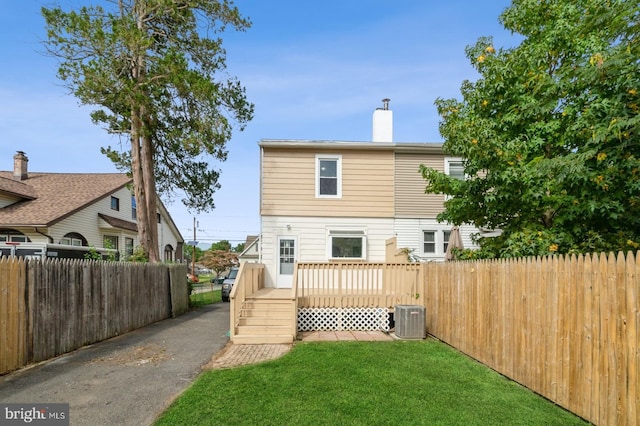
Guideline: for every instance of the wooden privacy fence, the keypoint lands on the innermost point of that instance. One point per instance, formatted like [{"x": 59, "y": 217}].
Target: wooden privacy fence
[
  {"x": 51, "y": 307},
  {"x": 565, "y": 327}
]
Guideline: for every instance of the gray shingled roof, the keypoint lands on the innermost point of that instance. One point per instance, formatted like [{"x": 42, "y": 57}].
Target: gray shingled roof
[{"x": 51, "y": 197}]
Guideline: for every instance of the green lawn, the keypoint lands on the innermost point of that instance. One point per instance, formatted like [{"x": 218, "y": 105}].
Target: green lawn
[
  {"x": 363, "y": 383},
  {"x": 205, "y": 298}
]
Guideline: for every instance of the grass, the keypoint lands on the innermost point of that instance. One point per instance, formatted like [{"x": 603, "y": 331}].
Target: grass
[
  {"x": 363, "y": 383},
  {"x": 205, "y": 298}
]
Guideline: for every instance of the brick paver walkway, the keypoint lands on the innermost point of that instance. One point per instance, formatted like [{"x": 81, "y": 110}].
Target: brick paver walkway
[{"x": 236, "y": 355}]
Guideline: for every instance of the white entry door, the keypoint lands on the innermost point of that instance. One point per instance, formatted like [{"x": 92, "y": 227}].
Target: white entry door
[{"x": 286, "y": 260}]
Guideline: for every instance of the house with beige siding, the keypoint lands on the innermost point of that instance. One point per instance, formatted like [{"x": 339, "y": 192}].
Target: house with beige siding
[
  {"x": 251, "y": 251},
  {"x": 337, "y": 201},
  {"x": 66, "y": 210}
]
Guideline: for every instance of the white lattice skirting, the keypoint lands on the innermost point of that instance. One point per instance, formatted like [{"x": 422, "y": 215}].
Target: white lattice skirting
[{"x": 363, "y": 319}]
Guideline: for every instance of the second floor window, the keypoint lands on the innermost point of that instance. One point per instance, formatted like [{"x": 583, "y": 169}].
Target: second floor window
[
  {"x": 328, "y": 176},
  {"x": 454, "y": 167},
  {"x": 134, "y": 213},
  {"x": 115, "y": 203}
]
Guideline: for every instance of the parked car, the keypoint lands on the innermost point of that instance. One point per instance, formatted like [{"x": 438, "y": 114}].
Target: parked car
[
  {"x": 227, "y": 284},
  {"x": 219, "y": 279}
]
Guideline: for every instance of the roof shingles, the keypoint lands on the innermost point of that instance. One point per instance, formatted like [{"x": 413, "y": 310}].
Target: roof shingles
[{"x": 51, "y": 197}]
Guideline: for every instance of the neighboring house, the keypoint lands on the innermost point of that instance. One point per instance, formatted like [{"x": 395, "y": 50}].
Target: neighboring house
[
  {"x": 76, "y": 210},
  {"x": 342, "y": 201},
  {"x": 251, "y": 252}
]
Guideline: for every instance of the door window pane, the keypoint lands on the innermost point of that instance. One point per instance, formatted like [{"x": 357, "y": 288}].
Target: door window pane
[{"x": 287, "y": 256}]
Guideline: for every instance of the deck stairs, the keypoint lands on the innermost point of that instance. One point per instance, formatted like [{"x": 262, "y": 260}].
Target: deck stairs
[{"x": 266, "y": 317}]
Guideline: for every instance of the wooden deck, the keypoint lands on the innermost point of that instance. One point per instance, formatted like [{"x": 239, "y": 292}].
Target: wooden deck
[{"x": 262, "y": 315}]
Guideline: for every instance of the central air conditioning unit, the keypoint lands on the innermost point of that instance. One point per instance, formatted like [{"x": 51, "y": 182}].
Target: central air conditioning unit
[{"x": 410, "y": 322}]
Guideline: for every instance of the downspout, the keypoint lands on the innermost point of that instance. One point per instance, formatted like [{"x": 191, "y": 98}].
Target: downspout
[
  {"x": 260, "y": 208},
  {"x": 42, "y": 233}
]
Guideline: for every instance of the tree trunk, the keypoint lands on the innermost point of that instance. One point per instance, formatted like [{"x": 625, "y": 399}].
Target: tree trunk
[
  {"x": 139, "y": 189},
  {"x": 142, "y": 158},
  {"x": 148, "y": 176}
]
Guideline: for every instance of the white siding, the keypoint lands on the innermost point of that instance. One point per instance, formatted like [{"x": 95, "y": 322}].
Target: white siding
[
  {"x": 409, "y": 235},
  {"x": 87, "y": 223},
  {"x": 312, "y": 237},
  {"x": 7, "y": 200}
]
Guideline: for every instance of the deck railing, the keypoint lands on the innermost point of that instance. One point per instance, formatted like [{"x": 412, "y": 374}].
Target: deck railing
[
  {"x": 354, "y": 285},
  {"x": 249, "y": 280}
]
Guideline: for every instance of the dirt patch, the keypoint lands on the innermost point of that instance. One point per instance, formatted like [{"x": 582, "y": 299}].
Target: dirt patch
[{"x": 136, "y": 356}]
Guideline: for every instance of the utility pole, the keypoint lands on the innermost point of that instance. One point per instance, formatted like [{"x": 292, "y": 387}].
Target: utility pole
[{"x": 193, "y": 257}]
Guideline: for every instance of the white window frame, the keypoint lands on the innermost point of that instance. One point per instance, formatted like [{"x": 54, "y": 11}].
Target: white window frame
[
  {"x": 439, "y": 241},
  {"x": 447, "y": 164},
  {"x": 71, "y": 241},
  {"x": 346, "y": 233},
  {"x": 434, "y": 242},
  {"x": 111, "y": 238},
  {"x": 329, "y": 157},
  {"x": 447, "y": 169},
  {"x": 129, "y": 248},
  {"x": 446, "y": 235}
]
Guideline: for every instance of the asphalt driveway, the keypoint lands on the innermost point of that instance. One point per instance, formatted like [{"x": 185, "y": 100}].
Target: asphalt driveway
[{"x": 129, "y": 379}]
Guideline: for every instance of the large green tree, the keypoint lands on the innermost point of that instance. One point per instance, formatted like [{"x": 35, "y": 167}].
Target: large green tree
[
  {"x": 549, "y": 132},
  {"x": 155, "y": 71}
]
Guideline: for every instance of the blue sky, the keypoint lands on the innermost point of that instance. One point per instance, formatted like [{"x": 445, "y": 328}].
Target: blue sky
[{"x": 314, "y": 70}]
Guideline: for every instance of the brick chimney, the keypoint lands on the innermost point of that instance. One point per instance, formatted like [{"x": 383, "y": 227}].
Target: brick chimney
[
  {"x": 20, "y": 166},
  {"x": 383, "y": 123}
]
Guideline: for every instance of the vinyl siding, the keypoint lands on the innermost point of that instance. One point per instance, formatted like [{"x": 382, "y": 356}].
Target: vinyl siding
[
  {"x": 87, "y": 223},
  {"x": 289, "y": 189},
  {"x": 7, "y": 200},
  {"x": 312, "y": 238},
  {"x": 410, "y": 199},
  {"x": 409, "y": 235}
]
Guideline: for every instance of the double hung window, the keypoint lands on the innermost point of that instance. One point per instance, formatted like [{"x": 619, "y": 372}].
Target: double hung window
[
  {"x": 328, "y": 176},
  {"x": 432, "y": 240},
  {"x": 454, "y": 167}
]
